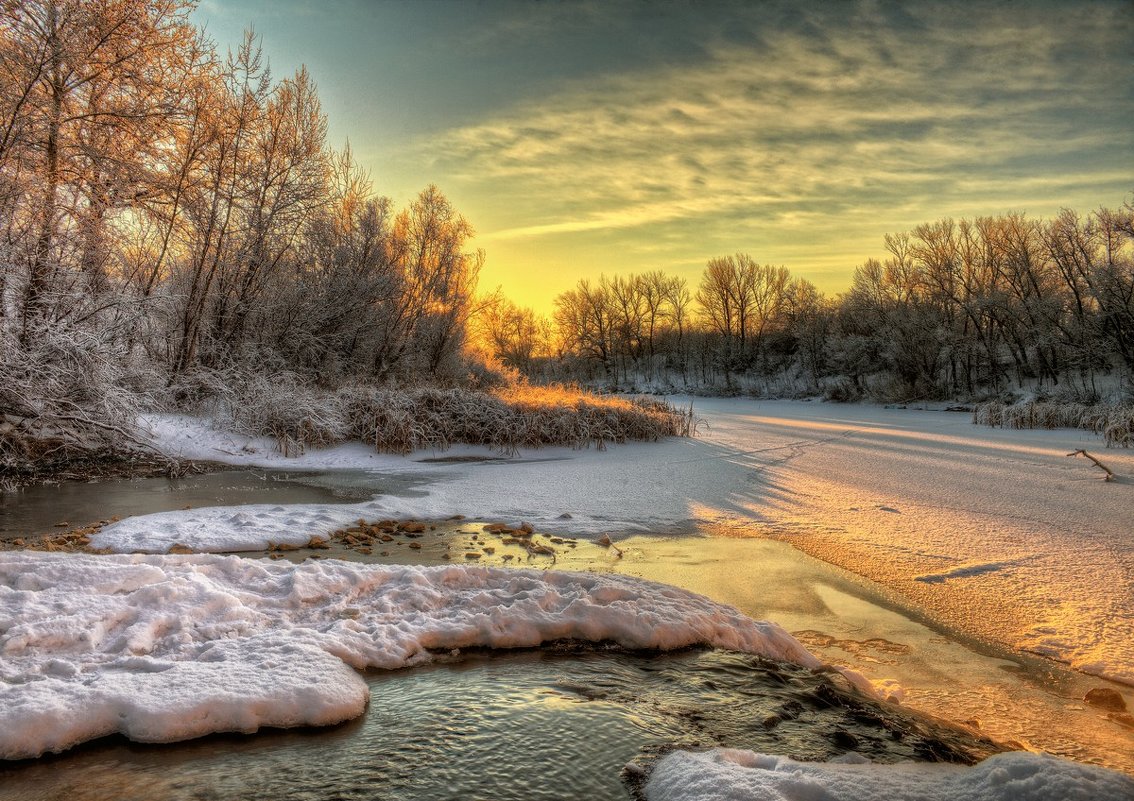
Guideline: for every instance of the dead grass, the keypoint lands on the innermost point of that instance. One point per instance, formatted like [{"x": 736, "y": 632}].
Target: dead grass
[
  {"x": 1113, "y": 422},
  {"x": 401, "y": 421},
  {"x": 282, "y": 406}
]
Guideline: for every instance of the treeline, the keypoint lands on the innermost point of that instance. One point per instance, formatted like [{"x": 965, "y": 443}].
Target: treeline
[
  {"x": 958, "y": 309},
  {"x": 169, "y": 213},
  {"x": 174, "y": 225}
]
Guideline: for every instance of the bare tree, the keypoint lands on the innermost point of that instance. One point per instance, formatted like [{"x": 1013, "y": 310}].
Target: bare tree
[
  {"x": 516, "y": 335},
  {"x": 428, "y": 246},
  {"x": 83, "y": 84},
  {"x": 740, "y": 300},
  {"x": 285, "y": 185},
  {"x": 584, "y": 319}
]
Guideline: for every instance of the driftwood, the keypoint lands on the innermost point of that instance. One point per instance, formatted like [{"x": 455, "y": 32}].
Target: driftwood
[
  {"x": 605, "y": 540},
  {"x": 1107, "y": 470}
]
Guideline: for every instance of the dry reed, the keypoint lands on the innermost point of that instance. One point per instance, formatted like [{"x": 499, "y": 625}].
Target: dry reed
[
  {"x": 404, "y": 420},
  {"x": 1113, "y": 422}
]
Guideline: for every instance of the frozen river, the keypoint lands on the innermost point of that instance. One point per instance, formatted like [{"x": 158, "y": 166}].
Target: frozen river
[{"x": 973, "y": 553}]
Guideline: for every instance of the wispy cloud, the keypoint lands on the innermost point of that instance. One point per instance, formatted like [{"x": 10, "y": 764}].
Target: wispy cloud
[{"x": 812, "y": 126}]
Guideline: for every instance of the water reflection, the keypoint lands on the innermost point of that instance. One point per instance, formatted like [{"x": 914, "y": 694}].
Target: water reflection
[
  {"x": 538, "y": 726},
  {"x": 42, "y": 508}
]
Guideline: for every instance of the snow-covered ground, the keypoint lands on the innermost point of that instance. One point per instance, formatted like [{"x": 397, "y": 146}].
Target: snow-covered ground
[
  {"x": 726, "y": 774},
  {"x": 997, "y": 532},
  {"x": 164, "y": 648}
]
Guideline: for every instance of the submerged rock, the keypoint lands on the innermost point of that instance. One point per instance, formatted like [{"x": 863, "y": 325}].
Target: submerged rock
[{"x": 1105, "y": 698}]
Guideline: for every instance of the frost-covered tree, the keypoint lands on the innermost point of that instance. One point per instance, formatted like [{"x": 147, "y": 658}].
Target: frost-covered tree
[
  {"x": 172, "y": 220},
  {"x": 85, "y": 89},
  {"x": 515, "y": 335},
  {"x": 740, "y": 299}
]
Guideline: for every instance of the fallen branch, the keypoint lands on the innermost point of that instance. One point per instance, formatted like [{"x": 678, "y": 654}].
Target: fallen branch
[
  {"x": 1107, "y": 470},
  {"x": 605, "y": 540},
  {"x": 535, "y": 549}
]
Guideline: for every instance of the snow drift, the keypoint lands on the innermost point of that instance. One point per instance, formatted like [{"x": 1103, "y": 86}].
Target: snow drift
[
  {"x": 726, "y": 773},
  {"x": 163, "y": 648}
]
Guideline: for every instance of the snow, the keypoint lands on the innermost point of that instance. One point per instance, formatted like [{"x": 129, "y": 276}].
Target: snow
[
  {"x": 163, "y": 648},
  {"x": 995, "y": 532},
  {"x": 734, "y": 775},
  {"x": 221, "y": 529},
  {"x": 539, "y": 486}
]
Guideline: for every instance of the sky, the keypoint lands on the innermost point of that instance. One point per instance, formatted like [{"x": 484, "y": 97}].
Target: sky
[{"x": 587, "y": 138}]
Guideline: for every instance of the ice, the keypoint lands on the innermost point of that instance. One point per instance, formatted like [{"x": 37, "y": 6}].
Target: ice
[
  {"x": 956, "y": 517},
  {"x": 163, "y": 648},
  {"x": 731, "y": 774},
  {"x": 217, "y": 529}
]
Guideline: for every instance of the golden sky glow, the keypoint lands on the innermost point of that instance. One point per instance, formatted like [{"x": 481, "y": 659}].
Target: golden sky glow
[{"x": 587, "y": 138}]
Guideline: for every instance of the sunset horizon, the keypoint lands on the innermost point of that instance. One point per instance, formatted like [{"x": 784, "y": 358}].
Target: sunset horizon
[
  {"x": 544, "y": 400},
  {"x": 587, "y": 139}
]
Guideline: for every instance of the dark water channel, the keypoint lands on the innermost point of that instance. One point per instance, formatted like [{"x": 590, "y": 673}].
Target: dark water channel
[
  {"x": 534, "y": 725},
  {"x": 46, "y": 507}
]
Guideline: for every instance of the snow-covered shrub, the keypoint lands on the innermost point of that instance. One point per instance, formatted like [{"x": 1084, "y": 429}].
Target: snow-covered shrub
[
  {"x": 66, "y": 394},
  {"x": 1115, "y": 424},
  {"x": 841, "y": 390},
  {"x": 989, "y": 414},
  {"x": 61, "y": 369},
  {"x": 484, "y": 371},
  {"x": 278, "y": 404},
  {"x": 202, "y": 391},
  {"x": 399, "y": 420},
  {"x": 294, "y": 413},
  {"x": 404, "y": 420}
]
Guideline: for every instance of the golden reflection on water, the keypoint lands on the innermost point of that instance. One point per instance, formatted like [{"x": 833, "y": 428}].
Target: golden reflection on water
[{"x": 849, "y": 620}]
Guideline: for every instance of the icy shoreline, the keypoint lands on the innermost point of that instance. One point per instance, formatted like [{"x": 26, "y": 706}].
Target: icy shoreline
[
  {"x": 162, "y": 648},
  {"x": 953, "y": 516}
]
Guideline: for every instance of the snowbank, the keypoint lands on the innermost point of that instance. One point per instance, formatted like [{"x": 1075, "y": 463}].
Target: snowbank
[
  {"x": 731, "y": 774},
  {"x": 163, "y": 648},
  {"x": 194, "y": 438}
]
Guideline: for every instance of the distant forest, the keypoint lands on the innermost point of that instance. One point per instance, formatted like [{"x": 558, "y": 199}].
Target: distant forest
[
  {"x": 959, "y": 309},
  {"x": 174, "y": 223}
]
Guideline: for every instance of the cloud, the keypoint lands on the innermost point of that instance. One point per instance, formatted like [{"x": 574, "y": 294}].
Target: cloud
[
  {"x": 798, "y": 137},
  {"x": 872, "y": 114}
]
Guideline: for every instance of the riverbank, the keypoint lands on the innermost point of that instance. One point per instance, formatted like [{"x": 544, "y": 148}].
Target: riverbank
[
  {"x": 75, "y": 444},
  {"x": 903, "y": 652},
  {"x": 97, "y": 464},
  {"x": 952, "y": 517},
  {"x": 931, "y": 502}
]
